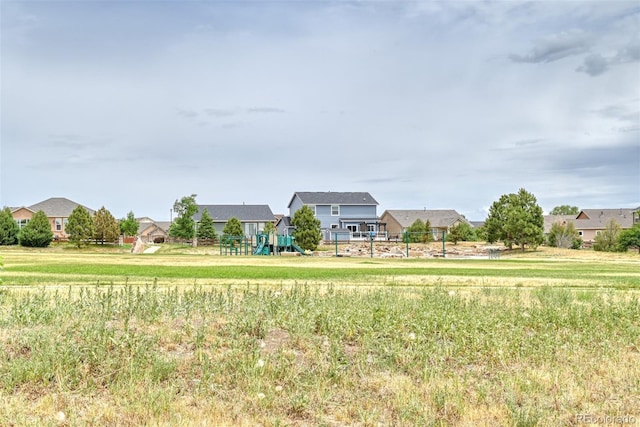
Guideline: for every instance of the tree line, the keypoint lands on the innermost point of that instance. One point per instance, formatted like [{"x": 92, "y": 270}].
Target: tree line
[{"x": 514, "y": 219}]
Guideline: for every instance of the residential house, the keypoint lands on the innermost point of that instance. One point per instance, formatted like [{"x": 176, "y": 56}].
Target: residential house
[
  {"x": 151, "y": 231},
  {"x": 590, "y": 222},
  {"x": 253, "y": 217},
  {"x": 345, "y": 215},
  {"x": 57, "y": 210},
  {"x": 441, "y": 220},
  {"x": 549, "y": 220}
]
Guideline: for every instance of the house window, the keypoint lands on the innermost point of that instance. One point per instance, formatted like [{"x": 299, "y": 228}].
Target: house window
[
  {"x": 334, "y": 226},
  {"x": 58, "y": 224},
  {"x": 335, "y": 210},
  {"x": 371, "y": 227},
  {"x": 352, "y": 228},
  {"x": 22, "y": 222},
  {"x": 579, "y": 233}
]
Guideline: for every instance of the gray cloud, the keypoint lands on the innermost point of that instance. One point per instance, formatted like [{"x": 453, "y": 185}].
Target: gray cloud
[
  {"x": 217, "y": 112},
  {"x": 189, "y": 114},
  {"x": 555, "y": 47},
  {"x": 266, "y": 110},
  {"x": 594, "y": 65}
]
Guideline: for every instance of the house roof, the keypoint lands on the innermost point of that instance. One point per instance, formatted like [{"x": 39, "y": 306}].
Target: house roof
[
  {"x": 245, "y": 213},
  {"x": 437, "y": 217},
  {"x": 334, "y": 198},
  {"x": 597, "y": 219},
  {"x": 58, "y": 207},
  {"x": 549, "y": 220},
  {"x": 285, "y": 221}
]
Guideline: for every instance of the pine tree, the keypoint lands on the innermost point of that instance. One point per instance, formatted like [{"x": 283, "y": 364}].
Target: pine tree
[
  {"x": 232, "y": 231},
  {"x": 80, "y": 227},
  {"x": 307, "y": 229},
  {"x": 106, "y": 228},
  {"x": 9, "y": 229},
  {"x": 206, "y": 227},
  {"x": 37, "y": 233},
  {"x": 516, "y": 219}
]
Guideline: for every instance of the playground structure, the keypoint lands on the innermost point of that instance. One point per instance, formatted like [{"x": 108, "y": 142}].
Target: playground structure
[
  {"x": 276, "y": 244},
  {"x": 264, "y": 244}
]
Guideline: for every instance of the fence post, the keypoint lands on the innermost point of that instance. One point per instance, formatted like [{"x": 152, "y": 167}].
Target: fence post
[
  {"x": 406, "y": 239},
  {"x": 444, "y": 249}
]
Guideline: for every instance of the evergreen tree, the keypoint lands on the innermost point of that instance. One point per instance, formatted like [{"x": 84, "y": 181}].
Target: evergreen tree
[
  {"x": 184, "y": 226},
  {"x": 206, "y": 227},
  {"x": 9, "y": 229},
  {"x": 80, "y": 227},
  {"x": 129, "y": 226},
  {"x": 37, "y": 233},
  {"x": 516, "y": 219},
  {"x": 106, "y": 228},
  {"x": 232, "y": 231},
  {"x": 428, "y": 233},
  {"x": 607, "y": 239},
  {"x": 307, "y": 228},
  {"x": 629, "y": 239}
]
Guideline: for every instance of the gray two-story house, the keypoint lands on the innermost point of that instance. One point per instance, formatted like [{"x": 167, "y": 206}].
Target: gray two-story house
[
  {"x": 252, "y": 217},
  {"x": 345, "y": 215}
]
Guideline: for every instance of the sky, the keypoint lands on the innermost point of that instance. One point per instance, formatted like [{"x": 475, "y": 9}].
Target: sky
[{"x": 132, "y": 105}]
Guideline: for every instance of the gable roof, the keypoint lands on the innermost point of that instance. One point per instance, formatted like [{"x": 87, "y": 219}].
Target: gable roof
[
  {"x": 245, "y": 213},
  {"x": 438, "y": 218},
  {"x": 58, "y": 207},
  {"x": 549, "y": 220},
  {"x": 334, "y": 198},
  {"x": 598, "y": 218}
]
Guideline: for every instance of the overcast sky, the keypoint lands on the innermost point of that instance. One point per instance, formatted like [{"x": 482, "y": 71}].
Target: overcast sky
[{"x": 443, "y": 105}]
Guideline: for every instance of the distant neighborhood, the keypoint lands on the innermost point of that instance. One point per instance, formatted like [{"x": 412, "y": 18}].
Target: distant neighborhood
[{"x": 348, "y": 216}]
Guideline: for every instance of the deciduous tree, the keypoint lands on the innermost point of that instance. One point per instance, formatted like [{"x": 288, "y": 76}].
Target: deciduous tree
[
  {"x": 461, "y": 232},
  {"x": 565, "y": 210},
  {"x": 37, "y": 233},
  {"x": 629, "y": 239},
  {"x": 80, "y": 227},
  {"x": 606, "y": 240},
  {"x": 307, "y": 229},
  {"x": 564, "y": 235},
  {"x": 129, "y": 226},
  {"x": 184, "y": 226}
]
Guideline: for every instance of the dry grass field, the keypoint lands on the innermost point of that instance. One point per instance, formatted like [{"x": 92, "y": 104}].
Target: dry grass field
[{"x": 99, "y": 336}]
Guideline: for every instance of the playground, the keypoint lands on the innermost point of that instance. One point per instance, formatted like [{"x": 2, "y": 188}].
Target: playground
[{"x": 262, "y": 244}]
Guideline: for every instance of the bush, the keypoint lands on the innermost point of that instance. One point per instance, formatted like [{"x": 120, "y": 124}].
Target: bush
[{"x": 37, "y": 233}]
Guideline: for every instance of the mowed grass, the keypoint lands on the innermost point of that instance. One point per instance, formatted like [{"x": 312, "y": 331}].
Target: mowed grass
[
  {"x": 55, "y": 268},
  {"x": 118, "y": 339}
]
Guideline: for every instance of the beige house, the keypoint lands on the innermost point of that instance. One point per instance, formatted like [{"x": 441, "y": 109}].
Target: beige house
[
  {"x": 398, "y": 221},
  {"x": 590, "y": 222},
  {"x": 151, "y": 231},
  {"x": 57, "y": 210}
]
